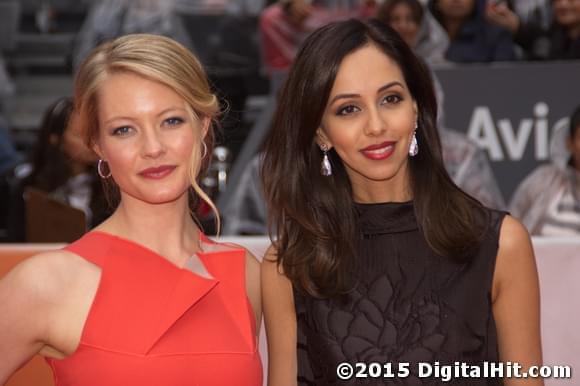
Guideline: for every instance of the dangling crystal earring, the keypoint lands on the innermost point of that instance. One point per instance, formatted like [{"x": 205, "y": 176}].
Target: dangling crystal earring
[
  {"x": 414, "y": 147},
  {"x": 325, "y": 167}
]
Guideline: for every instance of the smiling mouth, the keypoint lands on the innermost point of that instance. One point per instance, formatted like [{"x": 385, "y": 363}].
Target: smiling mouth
[{"x": 379, "y": 152}]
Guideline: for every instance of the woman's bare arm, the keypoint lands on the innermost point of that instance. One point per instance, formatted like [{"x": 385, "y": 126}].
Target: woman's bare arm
[
  {"x": 516, "y": 300},
  {"x": 44, "y": 302},
  {"x": 280, "y": 319}
]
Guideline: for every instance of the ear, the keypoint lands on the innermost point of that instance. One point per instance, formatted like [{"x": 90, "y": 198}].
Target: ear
[
  {"x": 97, "y": 149},
  {"x": 322, "y": 139},
  {"x": 416, "y": 110}
]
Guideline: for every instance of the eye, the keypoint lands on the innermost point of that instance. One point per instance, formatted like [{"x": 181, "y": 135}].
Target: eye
[
  {"x": 392, "y": 99},
  {"x": 122, "y": 131},
  {"x": 347, "y": 110},
  {"x": 173, "y": 121}
]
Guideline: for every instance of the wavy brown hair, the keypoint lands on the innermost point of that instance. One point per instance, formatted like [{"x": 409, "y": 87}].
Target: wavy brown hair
[{"x": 313, "y": 216}]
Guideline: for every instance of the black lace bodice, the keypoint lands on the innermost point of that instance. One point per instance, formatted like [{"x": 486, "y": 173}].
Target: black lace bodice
[{"x": 409, "y": 305}]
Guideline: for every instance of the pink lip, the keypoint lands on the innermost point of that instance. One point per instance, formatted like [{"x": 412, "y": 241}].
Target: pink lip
[
  {"x": 371, "y": 151},
  {"x": 157, "y": 172}
]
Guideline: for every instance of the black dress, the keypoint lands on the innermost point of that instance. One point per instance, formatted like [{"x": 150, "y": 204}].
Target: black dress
[{"x": 409, "y": 306}]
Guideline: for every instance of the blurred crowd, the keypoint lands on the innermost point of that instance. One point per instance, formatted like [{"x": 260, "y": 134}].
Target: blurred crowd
[
  {"x": 460, "y": 31},
  {"x": 266, "y": 35}
]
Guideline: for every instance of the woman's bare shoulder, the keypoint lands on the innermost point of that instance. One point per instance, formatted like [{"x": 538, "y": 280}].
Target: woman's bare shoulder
[
  {"x": 47, "y": 273},
  {"x": 515, "y": 258}
]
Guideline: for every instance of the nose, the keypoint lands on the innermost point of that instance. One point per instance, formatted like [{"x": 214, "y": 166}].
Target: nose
[
  {"x": 375, "y": 124},
  {"x": 152, "y": 146}
]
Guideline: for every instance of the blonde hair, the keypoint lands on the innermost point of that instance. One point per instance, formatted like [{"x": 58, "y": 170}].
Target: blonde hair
[{"x": 160, "y": 59}]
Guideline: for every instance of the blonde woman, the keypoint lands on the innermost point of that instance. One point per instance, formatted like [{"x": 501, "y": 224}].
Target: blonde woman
[{"x": 145, "y": 298}]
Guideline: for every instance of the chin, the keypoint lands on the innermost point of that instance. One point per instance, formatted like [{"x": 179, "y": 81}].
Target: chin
[
  {"x": 386, "y": 173},
  {"x": 163, "y": 199},
  {"x": 160, "y": 197},
  {"x": 382, "y": 177},
  {"x": 378, "y": 176}
]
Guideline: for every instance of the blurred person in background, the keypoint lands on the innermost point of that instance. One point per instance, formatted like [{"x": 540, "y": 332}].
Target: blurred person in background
[
  {"x": 282, "y": 27},
  {"x": 472, "y": 38},
  {"x": 61, "y": 165},
  {"x": 417, "y": 27},
  {"x": 7, "y": 87},
  {"x": 245, "y": 213},
  {"x": 466, "y": 163},
  {"x": 109, "y": 19},
  {"x": 9, "y": 156},
  {"x": 532, "y": 11},
  {"x": 286, "y": 23},
  {"x": 560, "y": 41},
  {"x": 548, "y": 199},
  {"x": 9, "y": 159}
]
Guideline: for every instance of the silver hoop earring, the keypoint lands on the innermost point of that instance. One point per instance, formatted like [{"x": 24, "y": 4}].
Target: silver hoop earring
[
  {"x": 204, "y": 150},
  {"x": 325, "y": 167},
  {"x": 414, "y": 147},
  {"x": 100, "y": 171}
]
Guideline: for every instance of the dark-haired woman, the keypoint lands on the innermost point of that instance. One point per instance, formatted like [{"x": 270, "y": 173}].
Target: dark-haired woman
[
  {"x": 548, "y": 199},
  {"x": 378, "y": 256},
  {"x": 62, "y": 165},
  {"x": 472, "y": 39},
  {"x": 417, "y": 27},
  {"x": 560, "y": 41}
]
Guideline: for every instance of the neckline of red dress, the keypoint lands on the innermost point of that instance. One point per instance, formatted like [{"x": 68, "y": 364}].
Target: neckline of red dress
[{"x": 201, "y": 253}]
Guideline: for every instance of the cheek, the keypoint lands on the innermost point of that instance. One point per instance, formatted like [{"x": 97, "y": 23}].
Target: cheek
[
  {"x": 185, "y": 145},
  {"x": 121, "y": 164},
  {"x": 120, "y": 156},
  {"x": 182, "y": 146},
  {"x": 403, "y": 121},
  {"x": 341, "y": 133}
]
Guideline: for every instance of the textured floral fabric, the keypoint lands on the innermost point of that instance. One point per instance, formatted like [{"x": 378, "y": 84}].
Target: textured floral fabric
[{"x": 408, "y": 305}]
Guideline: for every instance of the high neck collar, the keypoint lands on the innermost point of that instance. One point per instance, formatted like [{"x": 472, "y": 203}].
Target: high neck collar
[{"x": 384, "y": 218}]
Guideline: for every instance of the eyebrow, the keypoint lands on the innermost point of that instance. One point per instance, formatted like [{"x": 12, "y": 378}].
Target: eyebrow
[
  {"x": 381, "y": 89},
  {"x": 157, "y": 115}
]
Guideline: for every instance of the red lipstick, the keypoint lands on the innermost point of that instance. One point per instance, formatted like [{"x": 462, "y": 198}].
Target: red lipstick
[
  {"x": 379, "y": 151},
  {"x": 157, "y": 173}
]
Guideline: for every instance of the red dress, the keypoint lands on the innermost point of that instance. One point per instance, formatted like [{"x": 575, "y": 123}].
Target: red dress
[{"x": 153, "y": 323}]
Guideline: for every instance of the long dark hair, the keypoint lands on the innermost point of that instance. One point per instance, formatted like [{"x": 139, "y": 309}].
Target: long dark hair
[
  {"x": 313, "y": 216},
  {"x": 50, "y": 166}
]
